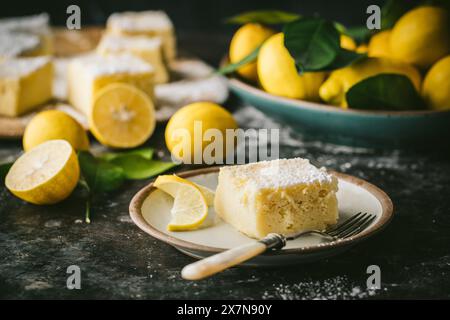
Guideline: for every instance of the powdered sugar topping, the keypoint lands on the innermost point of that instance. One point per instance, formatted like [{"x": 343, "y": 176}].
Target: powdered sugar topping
[
  {"x": 139, "y": 21},
  {"x": 16, "y": 68},
  {"x": 96, "y": 65},
  {"x": 280, "y": 173},
  {"x": 119, "y": 43}
]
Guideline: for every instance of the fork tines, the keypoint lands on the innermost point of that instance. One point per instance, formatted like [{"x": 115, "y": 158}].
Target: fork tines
[{"x": 352, "y": 226}]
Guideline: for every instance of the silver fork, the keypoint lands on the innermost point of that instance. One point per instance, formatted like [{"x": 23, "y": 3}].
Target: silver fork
[{"x": 226, "y": 259}]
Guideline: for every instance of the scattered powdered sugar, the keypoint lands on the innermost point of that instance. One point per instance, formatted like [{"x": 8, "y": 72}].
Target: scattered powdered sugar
[
  {"x": 139, "y": 21},
  {"x": 191, "y": 68},
  {"x": 250, "y": 117},
  {"x": 181, "y": 93},
  {"x": 38, "y": 285},
  {"x": 53, "y": 224},
  {"x": 338, "y": 287},
  {"x": 198, "y": 84}
]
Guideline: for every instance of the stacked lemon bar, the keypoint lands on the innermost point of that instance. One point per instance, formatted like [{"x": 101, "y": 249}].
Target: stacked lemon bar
[
  {"x": 145, "y": 23},
  {"x": 25, "y": 79},
  {"x": 135, "y": 49}
]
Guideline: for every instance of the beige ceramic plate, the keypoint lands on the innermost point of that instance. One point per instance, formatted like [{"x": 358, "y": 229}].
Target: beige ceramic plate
[{"x": 150, "y": 210}]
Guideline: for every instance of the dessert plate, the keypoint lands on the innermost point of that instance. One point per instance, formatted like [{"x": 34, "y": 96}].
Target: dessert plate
[{"x": 150, "y": 211}]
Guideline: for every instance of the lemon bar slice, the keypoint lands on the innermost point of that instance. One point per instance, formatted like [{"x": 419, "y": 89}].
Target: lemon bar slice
[
  {"x": 146, "y": 48},
  {"x": 25, "y": 83},
  {"x": 282, "y": 196},
  {"x": 146, "y": 23},
  {"x": 37, "y": 25},
  {"x": 88, "y": 74}
]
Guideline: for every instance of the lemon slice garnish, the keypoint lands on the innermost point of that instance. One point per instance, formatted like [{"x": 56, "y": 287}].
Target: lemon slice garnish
[{"x": 190, "y": 207}]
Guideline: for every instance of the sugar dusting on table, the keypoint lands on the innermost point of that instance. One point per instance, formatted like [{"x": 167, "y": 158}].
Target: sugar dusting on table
[{"x": 338, "y": 287}]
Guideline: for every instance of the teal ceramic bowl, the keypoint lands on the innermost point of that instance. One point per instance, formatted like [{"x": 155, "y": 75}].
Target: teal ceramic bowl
[{"x": 350, "y": 127}]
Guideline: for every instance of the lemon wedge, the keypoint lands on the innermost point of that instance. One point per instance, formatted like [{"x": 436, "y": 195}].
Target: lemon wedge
[
  {"x": 190, "y": 207},
  {"x": 46, "y": 174},
  {"x": 122, "y": 116}
]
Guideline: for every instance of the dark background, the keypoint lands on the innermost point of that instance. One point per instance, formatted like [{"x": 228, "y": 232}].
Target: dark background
[
  {"x": 192, "y": 15},
  {"x": 199, "y": 24}
]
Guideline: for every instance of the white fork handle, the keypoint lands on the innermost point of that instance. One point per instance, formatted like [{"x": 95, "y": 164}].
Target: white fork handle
[{"x": 221, "y": 261}]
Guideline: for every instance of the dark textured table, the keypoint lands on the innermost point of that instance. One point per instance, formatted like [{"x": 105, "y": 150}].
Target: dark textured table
[{"x": 117, "y": 260}]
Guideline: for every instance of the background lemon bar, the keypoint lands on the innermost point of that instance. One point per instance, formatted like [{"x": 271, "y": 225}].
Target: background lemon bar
[
  {"x": 37, "y": 25},
  {"x": 15, "y": 44},
  {"x": 146, "y": 48},
  {"x": 88, "y": 74},
  {"x": 282, "y": 196},
  {"x": 25, "y": 83},
  {"x": 146, "y": 23}
]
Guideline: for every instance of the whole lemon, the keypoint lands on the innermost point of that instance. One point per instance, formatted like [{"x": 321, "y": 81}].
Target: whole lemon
[
  {"x": 348, "y": 43},
  {"x": 246, "y": 39},
  {"x": 278, "y": 75},
  {"x": 379, "y": 44},
  {"x": 436, "y": 85},
  {"x": 336, "y": 86},
  {"x": 194, "y": 127},
  {"x": 54, "y": 124},
  {"x": 421, "y": 36}
]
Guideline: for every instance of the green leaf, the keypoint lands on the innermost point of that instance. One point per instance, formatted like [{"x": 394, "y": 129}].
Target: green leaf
[
  {"x": 359, "y": 33},
  {"x": 340, "y": 27},
  {"x": 264, "y": 16},
  {"x": 385, "y": 92},
  {"x": 232, "y": 67},
  {"x": 4, "y": 168},
  {"x": 343, "y": 59},
  {"x": 312, "y": 42},
  {"x": 393, "y": 10},
  {"x": 137, "y": 167},
  {"x": 146, "y": 153},
  {"x": 100, "y": 175}
]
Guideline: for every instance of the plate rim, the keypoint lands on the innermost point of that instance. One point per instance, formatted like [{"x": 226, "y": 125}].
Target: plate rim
[
  {"x": 387, "y": 213},
  {"x": 323, "y": 107}
]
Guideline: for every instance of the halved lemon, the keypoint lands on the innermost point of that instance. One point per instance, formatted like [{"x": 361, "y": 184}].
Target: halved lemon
[
  {"x": 46, "y": 174},
  {"x": 190, "y": 207},
  {"x": 122, "y": 116}
]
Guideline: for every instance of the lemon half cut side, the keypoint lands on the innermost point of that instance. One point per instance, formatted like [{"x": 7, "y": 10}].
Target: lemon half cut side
[
  {"x": 190, "y": 207},
  {"x": 46, "y": 174},
  {"x": 122, "y": 116}
]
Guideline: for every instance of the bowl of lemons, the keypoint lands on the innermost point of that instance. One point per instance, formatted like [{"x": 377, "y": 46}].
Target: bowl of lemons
[{"x": 387, "y": 87}]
